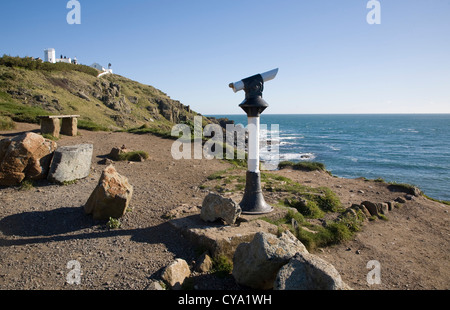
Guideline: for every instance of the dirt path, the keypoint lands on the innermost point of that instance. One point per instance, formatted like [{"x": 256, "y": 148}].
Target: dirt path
[{"x": 44, "y": 228}]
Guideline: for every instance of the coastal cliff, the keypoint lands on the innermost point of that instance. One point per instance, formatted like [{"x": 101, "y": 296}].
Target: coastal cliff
[{"x": 29, "y": 88}]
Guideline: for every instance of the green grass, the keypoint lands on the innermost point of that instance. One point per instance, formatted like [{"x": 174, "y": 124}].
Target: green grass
[
  {"x": 404, "y": 187},
  {"x": 159, "y": 132},
  {"x": 19, "y": 112},
  {"x": 91, "y": 126},
  {"x": 304, "y": 166},
  {"x": 60, "y": 84},
  {"x": 217, "y": 175},
  {"x": 50, "y": 137},
  {"x": 6, "y": 123},
  {"x": 437, "y": 200},
  {"x": 322, "y": 197},
  {"x": 222, "y": 266},
  {"x": 316, "y": 236},
  {"x": 133, "y": 156},
  {"x": 26, "y": 185}
]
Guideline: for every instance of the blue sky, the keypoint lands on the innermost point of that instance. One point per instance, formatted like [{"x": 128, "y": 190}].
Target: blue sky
[{"x": 330, "y": 59}]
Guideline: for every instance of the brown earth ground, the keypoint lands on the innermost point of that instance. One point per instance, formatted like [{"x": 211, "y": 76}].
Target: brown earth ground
[{"x": 43, "y": 228}]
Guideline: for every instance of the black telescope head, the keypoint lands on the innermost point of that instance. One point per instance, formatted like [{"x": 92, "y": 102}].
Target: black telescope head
[
  {"x": 254, "y": 104},
  {"x": 253, "y": 86}
]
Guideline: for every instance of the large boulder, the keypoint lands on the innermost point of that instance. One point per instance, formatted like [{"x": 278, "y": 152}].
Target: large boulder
[
  {"x": 216, "y": 207},
  {"x": 25, "y": 156},
  {"x": 71, "y": 163},
  {"x": 308, "y": 272},
  {"x": 111, "y": 197},
  {"x": 256, "y": 264}
]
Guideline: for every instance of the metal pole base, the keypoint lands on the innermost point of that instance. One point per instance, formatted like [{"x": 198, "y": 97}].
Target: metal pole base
[{"x": 253, "y": 201}]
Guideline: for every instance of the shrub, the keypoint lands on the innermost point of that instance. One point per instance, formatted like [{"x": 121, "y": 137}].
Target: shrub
[
  {"x": 304, "y": 166},
  {"x": 26, "y": 185},
  {"x": 222, "y": 265},
  {"x": 113, "y": 223},
  {"x": 307, "y": 208},
  {"x": 133, "y": 156},
  {"x": 6, "y": 123},
  {"x": 31, "y": 64}
]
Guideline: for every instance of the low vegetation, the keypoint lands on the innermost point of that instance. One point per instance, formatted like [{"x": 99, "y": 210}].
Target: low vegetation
[
  {"x": 113, "y": 223},
  {"x": 303, "y": 165},
  {"x": 30, "y": 88},
  {"x": 133, "y": 156},
  {"x": 308, "y": 207},
  {"x": 6, "y": 123},
  {"x": 33, "y": 64},
  {"x": 222, "y": 265}
]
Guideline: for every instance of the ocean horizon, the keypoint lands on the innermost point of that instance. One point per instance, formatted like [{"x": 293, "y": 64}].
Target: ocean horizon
[{"x": 402, "y": 148}]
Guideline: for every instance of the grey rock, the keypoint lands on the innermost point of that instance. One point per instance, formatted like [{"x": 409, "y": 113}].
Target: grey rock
[
  {"x": 71, "y": 163},
  {"x": 400, "y": 199},
  {"x": 256, "y": 264},
  {"x": 371, "y": 207},
  {"x": 308, "y": 272},
  {"x": 216, "y": 207},
  {"x": 383, "y": 207},
  {"x": 391, "y": 205}
]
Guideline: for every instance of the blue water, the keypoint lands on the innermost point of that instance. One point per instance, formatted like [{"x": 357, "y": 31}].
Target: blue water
[{"x": 412, "y": 149}]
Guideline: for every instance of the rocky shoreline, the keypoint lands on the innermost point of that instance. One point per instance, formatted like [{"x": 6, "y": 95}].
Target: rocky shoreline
[{"x": 43, "y": 228}]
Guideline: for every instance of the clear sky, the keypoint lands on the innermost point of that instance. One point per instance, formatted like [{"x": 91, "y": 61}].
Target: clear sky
[{"x": 330, "y": 59}]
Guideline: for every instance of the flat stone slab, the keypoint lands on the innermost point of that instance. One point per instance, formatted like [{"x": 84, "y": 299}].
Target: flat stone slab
[{"x": 217, "y": 238}]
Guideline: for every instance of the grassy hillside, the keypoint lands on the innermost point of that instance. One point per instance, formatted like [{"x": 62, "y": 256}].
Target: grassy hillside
[{"x": 29, "y": 88}]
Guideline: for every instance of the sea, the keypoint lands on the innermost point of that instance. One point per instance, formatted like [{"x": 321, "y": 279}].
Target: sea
[{"x": 402, "y": 148}]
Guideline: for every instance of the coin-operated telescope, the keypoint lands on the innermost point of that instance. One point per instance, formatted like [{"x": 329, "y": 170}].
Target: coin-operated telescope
[{"x": 253, "y": 201}]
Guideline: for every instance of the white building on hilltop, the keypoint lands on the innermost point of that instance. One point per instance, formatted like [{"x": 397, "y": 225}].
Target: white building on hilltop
[
  {"x": 50, "y": 56},
  {"x": 101, "y": 68}
]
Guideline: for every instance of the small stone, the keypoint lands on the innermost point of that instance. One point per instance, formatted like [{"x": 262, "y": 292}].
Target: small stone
[
  {"x": 204, "y": 263},
  {"x": 400, "y": 199},
  {"x": 155, "y": 286},
  {"x": 216, "y": 207},
  {"x": 176, "y": 273}
]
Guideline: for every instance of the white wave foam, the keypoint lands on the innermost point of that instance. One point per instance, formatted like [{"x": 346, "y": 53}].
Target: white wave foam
[
  {"x": 287, "y": 143},
  {"x": 300, "y": 156}
]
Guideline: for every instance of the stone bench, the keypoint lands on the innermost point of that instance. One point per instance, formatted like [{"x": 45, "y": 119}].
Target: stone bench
[{"x": 51, "y": 125}]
